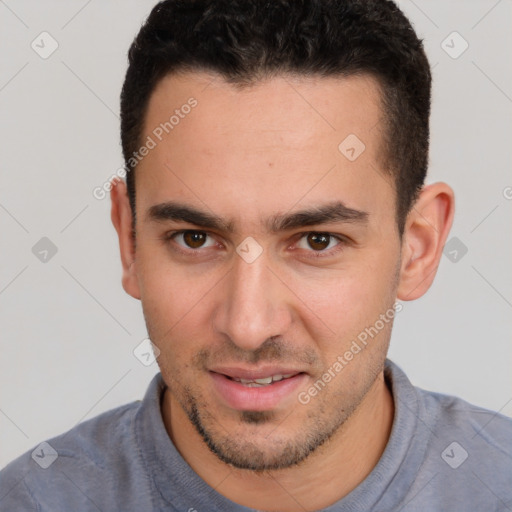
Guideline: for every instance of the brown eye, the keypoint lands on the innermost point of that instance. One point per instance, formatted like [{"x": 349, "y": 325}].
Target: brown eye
[
  {"x": 194, "y": 239},
  {"x": 318, "y": 241}
]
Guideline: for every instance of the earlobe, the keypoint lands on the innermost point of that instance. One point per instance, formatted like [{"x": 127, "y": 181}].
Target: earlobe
[
  {"x": 121, "y": 216},
  {"x": 427, "y": 227}
]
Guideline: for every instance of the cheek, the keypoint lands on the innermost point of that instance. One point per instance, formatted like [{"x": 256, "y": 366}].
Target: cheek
[
  {"x": 348, "y": 300},
  {"x": 174, "y": 316},
  {"x": 171, "y": 293}
]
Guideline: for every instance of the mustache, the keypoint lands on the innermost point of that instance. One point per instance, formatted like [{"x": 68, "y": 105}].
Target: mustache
[{"x": 272, "y": 350}]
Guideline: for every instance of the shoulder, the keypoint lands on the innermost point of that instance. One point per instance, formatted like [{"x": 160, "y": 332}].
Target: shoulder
[
  {"x": 444, "y": 415},
  {"x": 85, "y": 454},
  {"x": 461, "y": 453},
  {"x": 469, "y": 452},
  {"x": 490, "y": 429}
]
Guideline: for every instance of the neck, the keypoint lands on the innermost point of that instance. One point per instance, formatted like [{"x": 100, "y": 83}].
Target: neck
[{"x": 326, "y": 476}]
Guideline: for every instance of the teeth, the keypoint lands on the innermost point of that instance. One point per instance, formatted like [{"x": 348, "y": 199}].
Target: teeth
[{"x": 265, "y": 381}]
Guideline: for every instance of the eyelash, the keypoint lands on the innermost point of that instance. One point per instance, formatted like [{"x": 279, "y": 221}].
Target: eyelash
[{"x": 342, "y": 241}]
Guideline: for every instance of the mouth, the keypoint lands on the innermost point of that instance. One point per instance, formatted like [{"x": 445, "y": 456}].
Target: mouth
[
  {"x": 260, "y": 390},
  {"x": 265, "y": 381}
]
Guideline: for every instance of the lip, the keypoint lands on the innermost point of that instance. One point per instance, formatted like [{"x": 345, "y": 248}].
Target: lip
[
  {"x": 264, "y": 371},
  {"x": 237, "y": 396}
]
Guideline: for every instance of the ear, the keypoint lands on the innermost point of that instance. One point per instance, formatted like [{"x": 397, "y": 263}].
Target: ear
[
  {"x": 426, "y": 229},
  {"x": 121, "y": 215}
]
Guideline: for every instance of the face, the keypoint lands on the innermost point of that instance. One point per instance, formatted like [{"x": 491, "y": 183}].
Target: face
[{"x": 264, "y": 250}]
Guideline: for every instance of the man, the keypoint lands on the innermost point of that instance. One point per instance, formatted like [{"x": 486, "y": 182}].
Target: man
[{"x": 274, "y": 216}]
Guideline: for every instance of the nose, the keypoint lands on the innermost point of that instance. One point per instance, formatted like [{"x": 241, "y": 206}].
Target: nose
[{"x": 254, "y": 306}]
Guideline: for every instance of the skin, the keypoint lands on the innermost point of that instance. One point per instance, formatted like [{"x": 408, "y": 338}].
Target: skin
[{"x": 246, "y": 155}]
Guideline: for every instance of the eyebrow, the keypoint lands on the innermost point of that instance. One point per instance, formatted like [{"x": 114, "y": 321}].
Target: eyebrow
[{"x": 323, "y": 214}]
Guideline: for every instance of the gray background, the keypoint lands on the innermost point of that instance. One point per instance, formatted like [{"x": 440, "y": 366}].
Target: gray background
[{"x": 68, "y": 330}]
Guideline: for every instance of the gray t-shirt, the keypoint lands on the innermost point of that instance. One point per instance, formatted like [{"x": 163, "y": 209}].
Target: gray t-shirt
[{"x": 443, "y": 455}]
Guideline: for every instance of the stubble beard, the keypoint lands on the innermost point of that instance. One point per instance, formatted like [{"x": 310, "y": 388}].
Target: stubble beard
[{"x": 273, "y": 452}]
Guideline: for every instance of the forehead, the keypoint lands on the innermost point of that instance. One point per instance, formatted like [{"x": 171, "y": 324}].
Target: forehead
[
  {"x": 267, "y": 146},
  {"x": 273, "y": 106}
]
